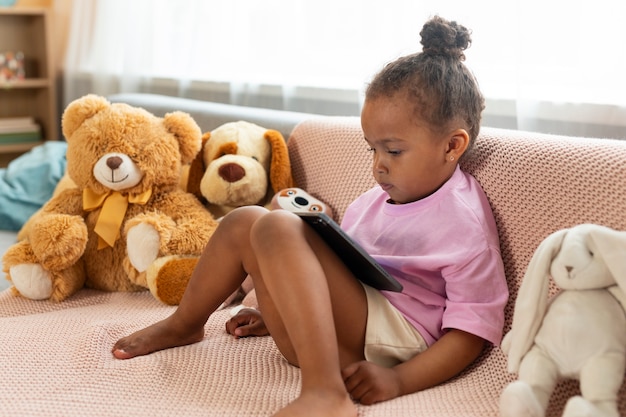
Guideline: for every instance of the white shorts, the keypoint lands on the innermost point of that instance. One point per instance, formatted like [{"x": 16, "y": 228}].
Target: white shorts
[{"x": 389, "y": 338}]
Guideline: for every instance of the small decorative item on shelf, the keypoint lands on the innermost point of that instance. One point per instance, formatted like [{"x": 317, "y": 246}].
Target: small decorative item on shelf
[
  {"x": 11, "y": 66},
  {"x": 19, "y": 130}
]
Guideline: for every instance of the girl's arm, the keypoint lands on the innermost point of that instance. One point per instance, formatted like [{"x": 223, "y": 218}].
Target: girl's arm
[{"x": 369, "y": 383}]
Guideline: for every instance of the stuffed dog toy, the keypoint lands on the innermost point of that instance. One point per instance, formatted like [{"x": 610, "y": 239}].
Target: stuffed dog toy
[
  {"x": 580, "y": 334},
  {"x": 241, "y": 164}
]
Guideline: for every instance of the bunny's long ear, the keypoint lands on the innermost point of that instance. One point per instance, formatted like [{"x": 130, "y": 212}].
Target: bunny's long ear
[
  {"x": 611, "y": 247},
  {"x": 532, "y": 299}
]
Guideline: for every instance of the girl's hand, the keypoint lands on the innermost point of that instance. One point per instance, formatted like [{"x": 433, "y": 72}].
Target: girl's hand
[
  {"x": 369, "y": 383},
  {"x": 247, "y": 322}
]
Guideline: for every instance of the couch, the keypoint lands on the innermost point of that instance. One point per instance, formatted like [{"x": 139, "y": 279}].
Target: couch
[{"x": 55, "y": 357}]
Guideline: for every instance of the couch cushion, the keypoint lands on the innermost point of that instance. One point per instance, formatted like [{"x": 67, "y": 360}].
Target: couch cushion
[{"x": 331, "y": 161}]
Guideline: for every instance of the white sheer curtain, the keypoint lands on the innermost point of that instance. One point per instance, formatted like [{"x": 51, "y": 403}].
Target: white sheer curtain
[{"x": 556, "y": 66}]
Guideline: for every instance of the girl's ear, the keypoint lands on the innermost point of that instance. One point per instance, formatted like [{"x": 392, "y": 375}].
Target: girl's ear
[{"x": 458, "y": 141}]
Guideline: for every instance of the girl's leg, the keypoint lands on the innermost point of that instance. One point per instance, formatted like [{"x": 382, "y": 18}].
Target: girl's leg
[
  {"x": 313, "y": 307},
  {"x": 218, "y": 273}
]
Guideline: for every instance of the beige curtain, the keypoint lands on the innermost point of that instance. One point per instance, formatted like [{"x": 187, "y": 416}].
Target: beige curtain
[{"x": 554, "y": 66}]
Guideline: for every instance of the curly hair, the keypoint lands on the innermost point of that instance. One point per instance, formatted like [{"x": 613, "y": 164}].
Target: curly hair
[{"x": 436, "y": 79}]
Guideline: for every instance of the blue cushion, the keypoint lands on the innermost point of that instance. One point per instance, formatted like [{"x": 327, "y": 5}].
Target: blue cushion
[{"x": 29, "y": 181}]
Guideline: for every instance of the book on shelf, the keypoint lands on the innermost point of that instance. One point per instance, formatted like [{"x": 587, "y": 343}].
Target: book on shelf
[
  {"x": 19, "y": 130},
  {"x": 17, "y": 121},
  {"x": 24, "y": 137}
]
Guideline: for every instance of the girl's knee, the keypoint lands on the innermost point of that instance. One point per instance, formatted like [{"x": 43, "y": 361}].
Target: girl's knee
[
  {"x": 238, "y": 223},
  {"x": 274, "y": 228},
  {"x": 245, "y": 215}
]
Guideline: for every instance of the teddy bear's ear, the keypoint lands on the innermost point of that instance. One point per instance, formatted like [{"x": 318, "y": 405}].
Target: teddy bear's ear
[
  {"x": 532, "y": 299},
  {"x": 187, "y": 132},
  {"x": 280, "y": 167},
  {"x": 80, "y": 110}
]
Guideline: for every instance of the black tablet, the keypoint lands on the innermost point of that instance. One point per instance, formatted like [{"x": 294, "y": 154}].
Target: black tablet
[{"x": 362, "y": 265}]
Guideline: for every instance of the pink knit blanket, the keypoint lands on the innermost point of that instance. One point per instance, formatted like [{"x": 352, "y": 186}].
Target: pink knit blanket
[{"x": 56, "y": 361}]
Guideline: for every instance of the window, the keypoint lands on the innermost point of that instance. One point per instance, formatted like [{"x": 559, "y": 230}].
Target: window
[{"x": 557, "y": 66}]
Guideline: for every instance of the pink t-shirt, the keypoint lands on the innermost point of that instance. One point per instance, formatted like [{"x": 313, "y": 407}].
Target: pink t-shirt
[{"x": 444, "y": 249}]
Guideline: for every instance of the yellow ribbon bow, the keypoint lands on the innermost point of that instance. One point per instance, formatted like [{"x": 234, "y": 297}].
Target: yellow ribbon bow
[{"x": 114, "y": 205}]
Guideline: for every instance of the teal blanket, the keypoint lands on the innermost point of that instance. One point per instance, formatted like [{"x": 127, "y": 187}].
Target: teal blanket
[{"x": 28, "y": 182}]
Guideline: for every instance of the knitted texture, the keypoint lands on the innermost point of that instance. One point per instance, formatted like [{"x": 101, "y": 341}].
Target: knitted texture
[{"x": 56, "y": 357}]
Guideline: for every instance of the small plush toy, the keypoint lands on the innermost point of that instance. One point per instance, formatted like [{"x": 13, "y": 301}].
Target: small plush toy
[
  {"x": 125, "y": 211},
  {"x": 297, "y": 200},
  {"x": 580, "y": 334}
]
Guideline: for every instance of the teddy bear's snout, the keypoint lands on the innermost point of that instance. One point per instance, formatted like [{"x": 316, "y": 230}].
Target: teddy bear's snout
[
  {"x": 117, "y": 171},
  {"x": 231, "y": 172},
  {"x": 114, "y": 162}
]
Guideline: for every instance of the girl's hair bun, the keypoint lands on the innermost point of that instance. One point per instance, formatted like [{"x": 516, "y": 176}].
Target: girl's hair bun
[{"x": 444, "y": 38}]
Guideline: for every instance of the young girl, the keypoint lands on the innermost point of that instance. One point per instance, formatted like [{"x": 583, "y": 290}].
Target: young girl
[{"x": 427, "y": 222}]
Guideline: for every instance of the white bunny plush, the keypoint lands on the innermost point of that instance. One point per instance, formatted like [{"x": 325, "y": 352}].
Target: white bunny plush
[{"x": 580, "y": 334}]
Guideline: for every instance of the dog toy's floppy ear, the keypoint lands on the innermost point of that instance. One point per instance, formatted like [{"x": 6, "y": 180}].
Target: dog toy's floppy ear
[
  {"x": 280, "y": 167},
  {"x": 611, "y": 247},
  {"x": 532, "y": 300},
  {"x": 196, "y": 171}
]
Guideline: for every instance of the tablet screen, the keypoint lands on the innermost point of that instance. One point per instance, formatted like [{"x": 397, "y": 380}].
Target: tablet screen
[{"x": 362, "y": 265}]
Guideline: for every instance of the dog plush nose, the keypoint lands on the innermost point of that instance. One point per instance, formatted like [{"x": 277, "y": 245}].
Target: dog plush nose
[
  {"x": 301, "y": 201},
  {"x": 231, "y": 172}
]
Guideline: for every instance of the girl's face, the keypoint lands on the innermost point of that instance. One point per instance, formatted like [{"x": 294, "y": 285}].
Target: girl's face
[{"x": 410, "y": 161}]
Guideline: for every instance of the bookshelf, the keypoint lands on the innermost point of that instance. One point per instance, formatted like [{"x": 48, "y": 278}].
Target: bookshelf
[{"x": 28, "y": 29}]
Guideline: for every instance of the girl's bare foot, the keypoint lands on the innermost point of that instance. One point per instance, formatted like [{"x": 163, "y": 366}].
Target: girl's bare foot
[
  {"x": 162, "y": 335},
  {"x": 322, "y": 404}
]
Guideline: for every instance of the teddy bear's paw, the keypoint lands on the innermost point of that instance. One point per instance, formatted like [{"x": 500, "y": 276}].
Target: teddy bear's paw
[
  {"x": 518, "y": 400},
  {"x": 32, "y": 281},
  {"x": 580, "y": 407},
  {"x": 143, "y": 243},
  {"x": 58, "y": 240},
  {"x": 168, "y": 277}
]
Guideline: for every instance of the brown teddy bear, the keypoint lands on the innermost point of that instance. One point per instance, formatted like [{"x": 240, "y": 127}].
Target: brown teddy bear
[
  {"x": 126, "y": 211},
  {"x": 241, "y": 164}
]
